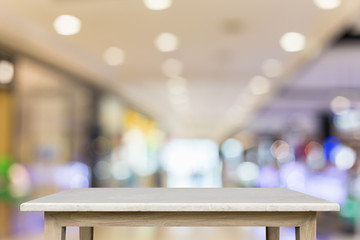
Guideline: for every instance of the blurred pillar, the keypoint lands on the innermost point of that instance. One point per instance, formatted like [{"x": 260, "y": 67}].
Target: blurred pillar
[
  {"x": 94, "y": 133},
  {"x": 6, "y": 150}
]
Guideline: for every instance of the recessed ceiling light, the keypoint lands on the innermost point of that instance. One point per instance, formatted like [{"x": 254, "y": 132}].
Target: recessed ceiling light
[
  {"x": 177, "y": 90},
  {"x": 6, "y": 72},
  {"x": 340, "y": 105},
  {"x": 174, "y": 82},
  {"x": 67, "y": 25},
  {"x": 166, "y": 42},
  {"x": 172, "y": 67},
  {"x": 259, "y": 85},
  {"x": 272, "y": 68},
  {"x": 292, "y": 42},
  {"x": 114, "y": 56},
  {"x": 327, "y": 4},
  {"x": 157, "y": 4}
]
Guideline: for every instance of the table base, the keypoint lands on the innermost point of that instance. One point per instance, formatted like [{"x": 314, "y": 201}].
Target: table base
[{"x": 56, "y": 222}]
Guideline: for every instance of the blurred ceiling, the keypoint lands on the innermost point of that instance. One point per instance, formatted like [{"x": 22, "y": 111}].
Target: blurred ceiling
[
  {"x": 222, "y": 45},
  {"x": 307, "y": 96}
]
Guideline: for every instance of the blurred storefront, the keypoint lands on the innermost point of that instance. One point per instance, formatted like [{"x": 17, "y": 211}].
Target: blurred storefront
[
  {"x": 56, "y": 133},
  {"x": 317, "y": 154},
  {"x": 244, "y": 93}
]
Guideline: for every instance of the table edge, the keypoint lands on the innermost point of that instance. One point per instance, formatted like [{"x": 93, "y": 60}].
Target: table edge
[{"x": 193, "y": 207}]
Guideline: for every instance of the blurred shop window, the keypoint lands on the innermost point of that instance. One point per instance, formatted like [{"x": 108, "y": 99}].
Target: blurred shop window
[
  {"x": 111, "y": 112},
  {"x": 232, "y": 153},
  {"x": 132, "y": 143},
  {"x": 54, "y": 114},
  {"x": 191, "y": 163}
]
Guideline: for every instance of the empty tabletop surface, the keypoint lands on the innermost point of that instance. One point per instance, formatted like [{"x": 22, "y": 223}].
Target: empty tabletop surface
[{"x": 178, "y": 200}]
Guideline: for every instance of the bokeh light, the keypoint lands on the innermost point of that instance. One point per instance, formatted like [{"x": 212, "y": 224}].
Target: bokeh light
[
  {"x": 272, "y": 68},
  {"x": 345, "y": 157},
  {"x": 176, "y": 86},
  {"x": 259, "y": 85},
  {"x": 20, "y": 184},
  {"x": 166, "y": 42},
  {"x": 101, "y": 145},
  {"x": 293, "y": 175},
  {"x": 178, "y": 94},
  {"x": 292, "y": 42},
  {"x": 102, "y": 170},
  {"x": 248, "y": 173},
  {"x": 232, "y": 148},
  {"x": 120, "y": 170},
  {"x": 114, "y": 56},
  {"x": 67, "y": 25},
  {"x": 281, "y": 151},
  {"x": 7, "y": 71},
  {"x": 72, "y": 175},
  {"x": 175, "y": 82},
  {"x": 348, "y": 121},
  {"x": 315, "y": 156},
  {"x": 340, "y": 105},
  {"x": 172, "y": 68},
  {"x": 330, "y": 144},
  {"x": 157, "y": 4},
  {"x": 79, "y": 175},
  {"x": 327, "y": 4}
]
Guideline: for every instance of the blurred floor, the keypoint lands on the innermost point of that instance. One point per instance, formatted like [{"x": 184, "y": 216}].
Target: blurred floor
[{"x": 148, "y": 233}]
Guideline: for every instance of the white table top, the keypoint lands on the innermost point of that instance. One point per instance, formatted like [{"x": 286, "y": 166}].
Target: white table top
[{"x": 179, "y": 200}]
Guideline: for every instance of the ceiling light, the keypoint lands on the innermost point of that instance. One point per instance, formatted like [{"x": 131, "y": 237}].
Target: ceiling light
[
  {"x": 114, "y": 56},
  {"x": 166, "y": 42},
  {"x": 327, "y": 4},
  {"x": 157, "y": 4},
  {"x": 292, "y": 42},
  {"x": 176, "y": 82},
  {"x": 6, "y": 72},
  {"x": 172, "y": 67},
  {"x": 178, "y": 90},
  {"x": 259, "y": 85},
  {"x": 67, "y": 25},
  {"x": 272, "y": 68},
  {"x": 340, "y": 105}
]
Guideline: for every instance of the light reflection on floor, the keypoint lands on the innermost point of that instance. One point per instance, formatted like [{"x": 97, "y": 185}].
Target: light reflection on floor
[{"x": 188, "y": 233}]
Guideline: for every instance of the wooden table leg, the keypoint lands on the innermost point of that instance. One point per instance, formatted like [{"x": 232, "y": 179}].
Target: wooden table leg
[
  {"x": 86, "y": 233},
  {"x": 272, "y": 233},
  {"x": 307, "y": 231},
  {"x": 53, "y": 231}
]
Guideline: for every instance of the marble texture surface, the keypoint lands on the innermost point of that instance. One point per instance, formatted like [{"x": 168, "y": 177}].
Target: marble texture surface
[{"x": 179, "y": 200}]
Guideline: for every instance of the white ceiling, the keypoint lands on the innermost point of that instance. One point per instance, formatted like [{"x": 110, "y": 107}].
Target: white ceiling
[{"x": 222, "y": 46}]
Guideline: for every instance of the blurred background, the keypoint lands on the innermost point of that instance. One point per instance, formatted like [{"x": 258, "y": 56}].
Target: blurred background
[{"x": 161, "y": 93}]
